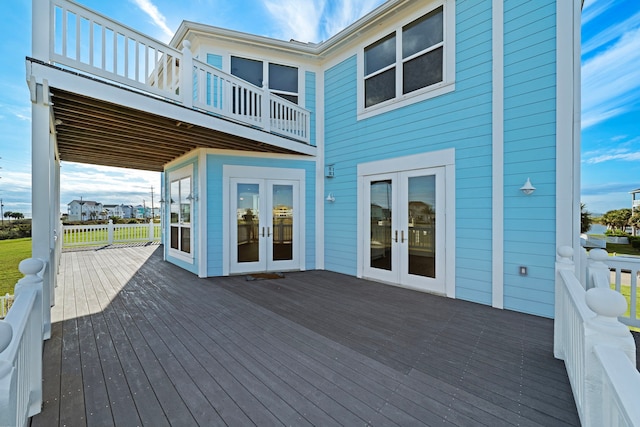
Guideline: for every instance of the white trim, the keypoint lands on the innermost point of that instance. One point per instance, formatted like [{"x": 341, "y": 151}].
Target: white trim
[
  {"x": 442, "y": 158},
  {"x": 256, "y": 172},
  {"x": 448, "y": 64},
  {"x": 202, "y": 214},
  {"x": 183, "y": 172},
  {"x": 567, "y": 117},
  {"x": 497, "y": 130},
  {"x": 320, "y": 164}
]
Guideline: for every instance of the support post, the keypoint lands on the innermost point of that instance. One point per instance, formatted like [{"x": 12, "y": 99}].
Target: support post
[
  {"x": 42, "y": 190},
  {"x": 151, "y": 230},
  {"x": 40, "y": 17}
]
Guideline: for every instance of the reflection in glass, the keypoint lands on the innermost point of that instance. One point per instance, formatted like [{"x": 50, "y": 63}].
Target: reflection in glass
[
  {"x": 185, "y": 203},
  {"x": 282, "y": 222},
  {"x": 422, "y": 222},
  {"x": 175, "y": 196},
  {"x": 247, "y": 211},
  {"x": 380, "y": 217}
]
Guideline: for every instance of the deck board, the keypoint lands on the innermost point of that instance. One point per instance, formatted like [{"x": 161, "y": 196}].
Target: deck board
[{"x": 137, "y": 341}]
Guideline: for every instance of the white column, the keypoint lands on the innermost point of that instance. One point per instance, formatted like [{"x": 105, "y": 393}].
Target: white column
[
  {"x": 41, "y": 192},
  {"x": 186, "y": 75},
  {"x": 40, "y": 29}
]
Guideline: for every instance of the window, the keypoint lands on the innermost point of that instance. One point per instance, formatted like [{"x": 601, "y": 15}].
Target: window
[
  {"x": 181, "y": 202},
  {"x": 282, "y": 79},
  {"x": 413, "y": 60}
]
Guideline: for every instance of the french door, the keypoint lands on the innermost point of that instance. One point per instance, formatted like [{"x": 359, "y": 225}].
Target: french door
[
  {"x": 404, "y": 228},
  {"x": 264, "y": 225}
]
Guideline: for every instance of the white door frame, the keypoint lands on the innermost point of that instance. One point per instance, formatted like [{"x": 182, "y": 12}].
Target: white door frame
[
  {"x": 230, "y": 172},
  {"x": 443, "y": 158}
]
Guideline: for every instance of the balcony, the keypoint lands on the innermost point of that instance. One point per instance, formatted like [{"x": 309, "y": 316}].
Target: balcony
[
  {"x": 121, "y": 98},
  {"x": 137, "y": 341}
]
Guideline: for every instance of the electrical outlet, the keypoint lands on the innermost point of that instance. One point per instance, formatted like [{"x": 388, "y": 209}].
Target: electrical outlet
[{"x": 523, "y": 270}]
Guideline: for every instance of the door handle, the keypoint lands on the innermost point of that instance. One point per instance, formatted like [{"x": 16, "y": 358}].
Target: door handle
[
  {"x": 268, "y": 231},
  {"x": 262, "y": 231},
  {"x": 396, "y": 238},
  {"x": 402, "y": 236}
]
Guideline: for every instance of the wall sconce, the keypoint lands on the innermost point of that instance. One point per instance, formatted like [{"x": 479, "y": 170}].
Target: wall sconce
[
  {"x": 329, "y": 171},
  {"x": 527, "y": 188},
  {"x": 331, "y": 198},
  {"x": 191, "y": 197}
]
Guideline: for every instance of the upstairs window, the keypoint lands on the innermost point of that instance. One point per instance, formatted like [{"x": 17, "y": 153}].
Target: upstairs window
[
  {"x": 283, "y": 79},
  {"x": 414, "y": 59}
]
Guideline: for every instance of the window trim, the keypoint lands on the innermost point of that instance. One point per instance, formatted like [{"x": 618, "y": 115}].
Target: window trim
[
  {"x": 177, "y": 175},
  {"x": 448, "y": 63}
]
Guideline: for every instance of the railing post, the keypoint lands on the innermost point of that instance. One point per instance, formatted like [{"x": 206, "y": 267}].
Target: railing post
[
  {"x": 151, "y": 230},
  {"x": 563, "y": 262},
  {"x": 30, "y": 267},
  {"x": 598, "y": 274},
  {"x": 266, "y": 107},
  {"x": 604, "y": 329},
  {"x": 110, "y": 232},
  {"x": 40, "y": 29},
  {"x": 186, "y": 75},
  {"x": 7, "y": 377}
]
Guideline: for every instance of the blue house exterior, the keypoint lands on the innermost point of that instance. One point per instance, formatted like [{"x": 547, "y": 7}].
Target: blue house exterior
[
  {"x": 488, "y": 122},
  {"x": 394, "y": 151}
]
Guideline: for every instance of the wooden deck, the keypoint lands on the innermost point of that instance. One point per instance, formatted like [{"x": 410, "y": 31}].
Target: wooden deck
[{"x": 137, "y": 341}]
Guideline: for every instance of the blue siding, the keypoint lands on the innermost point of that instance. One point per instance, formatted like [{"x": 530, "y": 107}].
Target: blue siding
[
  {"x": 310, "y": 102},
  {"x": 215, "y": 245},
  {"x": 461, "y": 119},
  {"x": 529, "y": 151},
  {"x": 194, "y": 215},
  {"x": 214, "y": 60}
]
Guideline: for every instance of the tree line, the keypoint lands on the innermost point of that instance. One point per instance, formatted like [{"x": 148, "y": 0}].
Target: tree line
[{"x": 13, "y": 215}]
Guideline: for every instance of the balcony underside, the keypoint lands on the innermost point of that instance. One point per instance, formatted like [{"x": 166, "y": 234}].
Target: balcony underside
[{"x": 105, "y": 124}]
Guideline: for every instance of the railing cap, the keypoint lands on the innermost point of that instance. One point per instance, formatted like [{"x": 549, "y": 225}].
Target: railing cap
[
  {"x": 599, "y": 255},
  {"x": 30, "y": 266},
  {"x": 565, "y": 253}
]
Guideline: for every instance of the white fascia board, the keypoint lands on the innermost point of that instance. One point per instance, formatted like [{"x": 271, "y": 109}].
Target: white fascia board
[{"x": 70, "y": 82}]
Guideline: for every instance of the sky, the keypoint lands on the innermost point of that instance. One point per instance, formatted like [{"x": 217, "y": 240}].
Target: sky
[{"x": 610, "y": 89}]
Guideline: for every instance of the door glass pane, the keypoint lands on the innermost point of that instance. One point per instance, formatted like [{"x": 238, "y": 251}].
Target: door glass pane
[
  {"x": 185, "y": 239},
  {"x": 422, "y": 225},
  {"x": 380, "y": 218},
  {"x": 174, "y": 237},
  {"x": 175, "y": 197},
  {"x": 185, "y": 202},
  {"x": 247, "y": 211},
  {"x": 282, "y": 222}
]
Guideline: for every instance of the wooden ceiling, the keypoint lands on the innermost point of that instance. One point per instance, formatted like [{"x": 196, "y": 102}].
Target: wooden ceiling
[{"x": 101, "y": 133}]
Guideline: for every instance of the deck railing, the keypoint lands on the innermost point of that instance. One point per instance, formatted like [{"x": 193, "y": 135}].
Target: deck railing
[
  {"x": 599, "y": 351},
  {"x": 88, "y": 42},
  {"x": 21, "y": 337},
  {"x": 110, "y": 233}
]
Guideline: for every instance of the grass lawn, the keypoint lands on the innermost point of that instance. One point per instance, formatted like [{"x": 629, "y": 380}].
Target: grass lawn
[{"x": 11, "y": 253}]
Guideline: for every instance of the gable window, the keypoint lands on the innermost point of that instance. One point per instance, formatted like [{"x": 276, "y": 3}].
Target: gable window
[
  {"x": 413, "y": 60},
  {"x": 282, "y": 79}
]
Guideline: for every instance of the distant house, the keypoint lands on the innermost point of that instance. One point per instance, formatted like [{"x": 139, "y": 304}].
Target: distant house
[
  {"x": 114, "y": 211},
  {"x": 398, "y": 147},
  {"x": 84, "y": 210}
]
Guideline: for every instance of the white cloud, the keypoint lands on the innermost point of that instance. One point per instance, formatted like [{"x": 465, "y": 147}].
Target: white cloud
[
  {"x": 297, "y": 19},
  {"x": 611, "y": 80},
  {"x": 158, "y": 18},
  {"x": 592, "y": 9},
  {"x": 315, "y": 20},
  {"x": 610, "y": 33}
]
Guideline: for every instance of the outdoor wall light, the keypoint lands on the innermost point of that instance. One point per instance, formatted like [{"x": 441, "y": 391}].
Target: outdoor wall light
[
  {"x": 191, "y": 197},
  {"x": 329, "y": 171},
  {"x": 330, "y": 198},
  {"x": 527, "y": 188}
]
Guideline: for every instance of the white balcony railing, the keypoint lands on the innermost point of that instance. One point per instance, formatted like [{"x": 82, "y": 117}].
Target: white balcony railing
[
  {"x": 110, "y": 233},
  {"x": 75, "y": 37},
  {"x": 21, "y": 338},
  {"x": 598, "y": 351}
]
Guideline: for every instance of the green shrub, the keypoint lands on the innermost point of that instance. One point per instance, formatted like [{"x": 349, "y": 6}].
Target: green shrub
[
  {"x": 634, "y": 241},
  {"x": 616, "y": 233}
]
